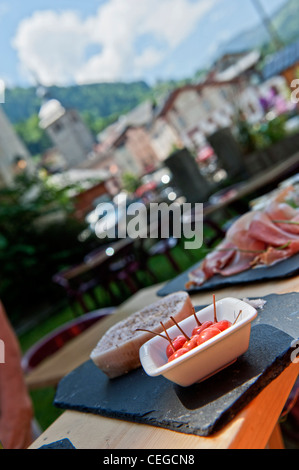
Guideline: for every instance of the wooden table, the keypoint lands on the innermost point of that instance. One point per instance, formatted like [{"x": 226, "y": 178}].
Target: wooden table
[
  {"x": 106, "y": 253},
  {"x": 255, "y": 427},
  {"x": 259, "y": 182},
  {"x": 242, "y": 190},
  {"x": 98, "y": 259},
  {"x": 235, "y": 194}
]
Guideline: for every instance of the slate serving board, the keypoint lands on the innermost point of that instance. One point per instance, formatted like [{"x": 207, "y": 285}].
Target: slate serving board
[
  {"x": 281, "y": 270},
  {"x": 61, "y": 444},
  {"x": 203, "y": 408}
]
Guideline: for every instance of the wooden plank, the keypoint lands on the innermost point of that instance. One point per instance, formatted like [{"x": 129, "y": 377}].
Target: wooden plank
[{"x": 251, "y": 429}]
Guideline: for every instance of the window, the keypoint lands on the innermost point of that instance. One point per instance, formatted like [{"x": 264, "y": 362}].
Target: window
[
  {"x": 57, "y": 127},
  {"x": 74, "y": 116},
  {"x": 207, "y": 105},
  {"x": 223, "y": 93}
]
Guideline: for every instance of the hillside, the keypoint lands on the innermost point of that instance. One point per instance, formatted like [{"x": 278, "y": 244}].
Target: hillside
[
  {"x": 101, "y": 104},
  {"x": 98, "y": 100},
  {"x": 111, "y": 99}
]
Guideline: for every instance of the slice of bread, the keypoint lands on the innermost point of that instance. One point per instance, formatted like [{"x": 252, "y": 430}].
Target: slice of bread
[{"x": 117, "y": 352}]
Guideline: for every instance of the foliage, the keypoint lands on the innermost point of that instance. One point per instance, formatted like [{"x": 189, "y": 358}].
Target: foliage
[
  {"x": 97, "y": 124},
  {"x": 130, "y": 182},
  {"x": 244, "y": 135},
  {"x": 98, "y": 104},
  {"x": 261, "y": 136},
  {"x": 100, "y": 100},
  {"x": 285, "y": 21},
  {"x": 35, "y": 138},
  {"x": 38, "y": 237},
  {"x": 269, "y": 133}
]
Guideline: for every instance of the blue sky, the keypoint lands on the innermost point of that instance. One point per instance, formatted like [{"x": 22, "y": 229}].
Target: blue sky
[{"x": 65, "y": 42}]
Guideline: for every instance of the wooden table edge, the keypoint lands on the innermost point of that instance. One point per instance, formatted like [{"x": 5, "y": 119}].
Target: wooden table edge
[
  {"x": 235, "y": 435},
  {"x": 252, "y": 428}
]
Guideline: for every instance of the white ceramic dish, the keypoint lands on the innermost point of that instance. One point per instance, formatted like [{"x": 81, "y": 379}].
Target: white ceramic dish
[{"x": 211, "y": 356}]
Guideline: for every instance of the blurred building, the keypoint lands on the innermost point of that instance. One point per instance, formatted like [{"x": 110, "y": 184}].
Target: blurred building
[
  {"x": 242, "y": 66},
  {"x": 145, "y": 137},
  {"x": 234, "y": 65},
  {"x": 285, "y": 63},
  {"x": 164, "y": 138},
  {"x": 52, "y": 161},
  {"x": 88, "y": 186},
  {"x": 134, "y": 151},
  {"x": 196, "y": 111},
  {"x": 14, "y": 156},
  {"x": 70, "y": 136},
  {"x": 126, "y": 145}
]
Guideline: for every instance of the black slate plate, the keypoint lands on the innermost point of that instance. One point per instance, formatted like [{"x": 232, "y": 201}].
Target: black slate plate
[
  {"x": 280, "y": 311},
  {"x": 281, "y": 270},
  {"x": 61, "y": 444},
  {"x": 202, "y": 408}
]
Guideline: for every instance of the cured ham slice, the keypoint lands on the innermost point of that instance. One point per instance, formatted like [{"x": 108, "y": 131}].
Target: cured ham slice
[
  {"x": 232, "y": 256},
  {"x": 273, "y": 255},
  {"x": 212, "y": 264},
  {"x": 291, "y": 227},
  {"x": 241, "y": 262},
  {"x": 264, "y": 229},
  {"x": 246, "y": 249},
  {"x": 117, "y": 352},
  {"x": 279, "y": 212},
  {"x": 258, "y": 238}
]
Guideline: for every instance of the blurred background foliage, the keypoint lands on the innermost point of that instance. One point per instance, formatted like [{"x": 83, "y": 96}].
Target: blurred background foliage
[
  {"x": 38, "y": 237},
  {"x": 261, "y": 136},
  {"x": 130, "y": 182}
]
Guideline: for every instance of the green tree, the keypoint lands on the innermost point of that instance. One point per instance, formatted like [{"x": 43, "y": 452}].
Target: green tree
[
  {"x": 35, "y": 138},
  {"x": 130, "y": 182},
  {"x": 38, "y": 237}
]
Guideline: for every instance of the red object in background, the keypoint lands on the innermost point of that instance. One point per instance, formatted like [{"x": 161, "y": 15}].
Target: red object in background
[
  {"x": 205, "y": 154},
  {"x": 151, "y": 186},
  {"x": 60, "y": 336}
]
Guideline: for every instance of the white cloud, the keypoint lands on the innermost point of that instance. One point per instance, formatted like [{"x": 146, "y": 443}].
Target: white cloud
[{"x": 52, "y": 46}]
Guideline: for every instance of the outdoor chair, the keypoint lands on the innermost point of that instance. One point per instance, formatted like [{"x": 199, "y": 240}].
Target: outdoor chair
[
  {"x": 164, "y": 247},
  {"x": 79, "y": 286},
  {"x": 125, "y": 267},
  {"x": 156, "y": 243},
  {"x": 55, "y": 340}
]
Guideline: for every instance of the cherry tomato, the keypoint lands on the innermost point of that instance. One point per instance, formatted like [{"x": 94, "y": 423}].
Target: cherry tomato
[
  {"x": 223, "y": 324},
  {"x": 177, "y": 343},
  {"x": 207, "y": 334},
  {"x": 198, "y": 329},
  {"x": 177, "y": 354},
  {"x": 192, "y": 343}
]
